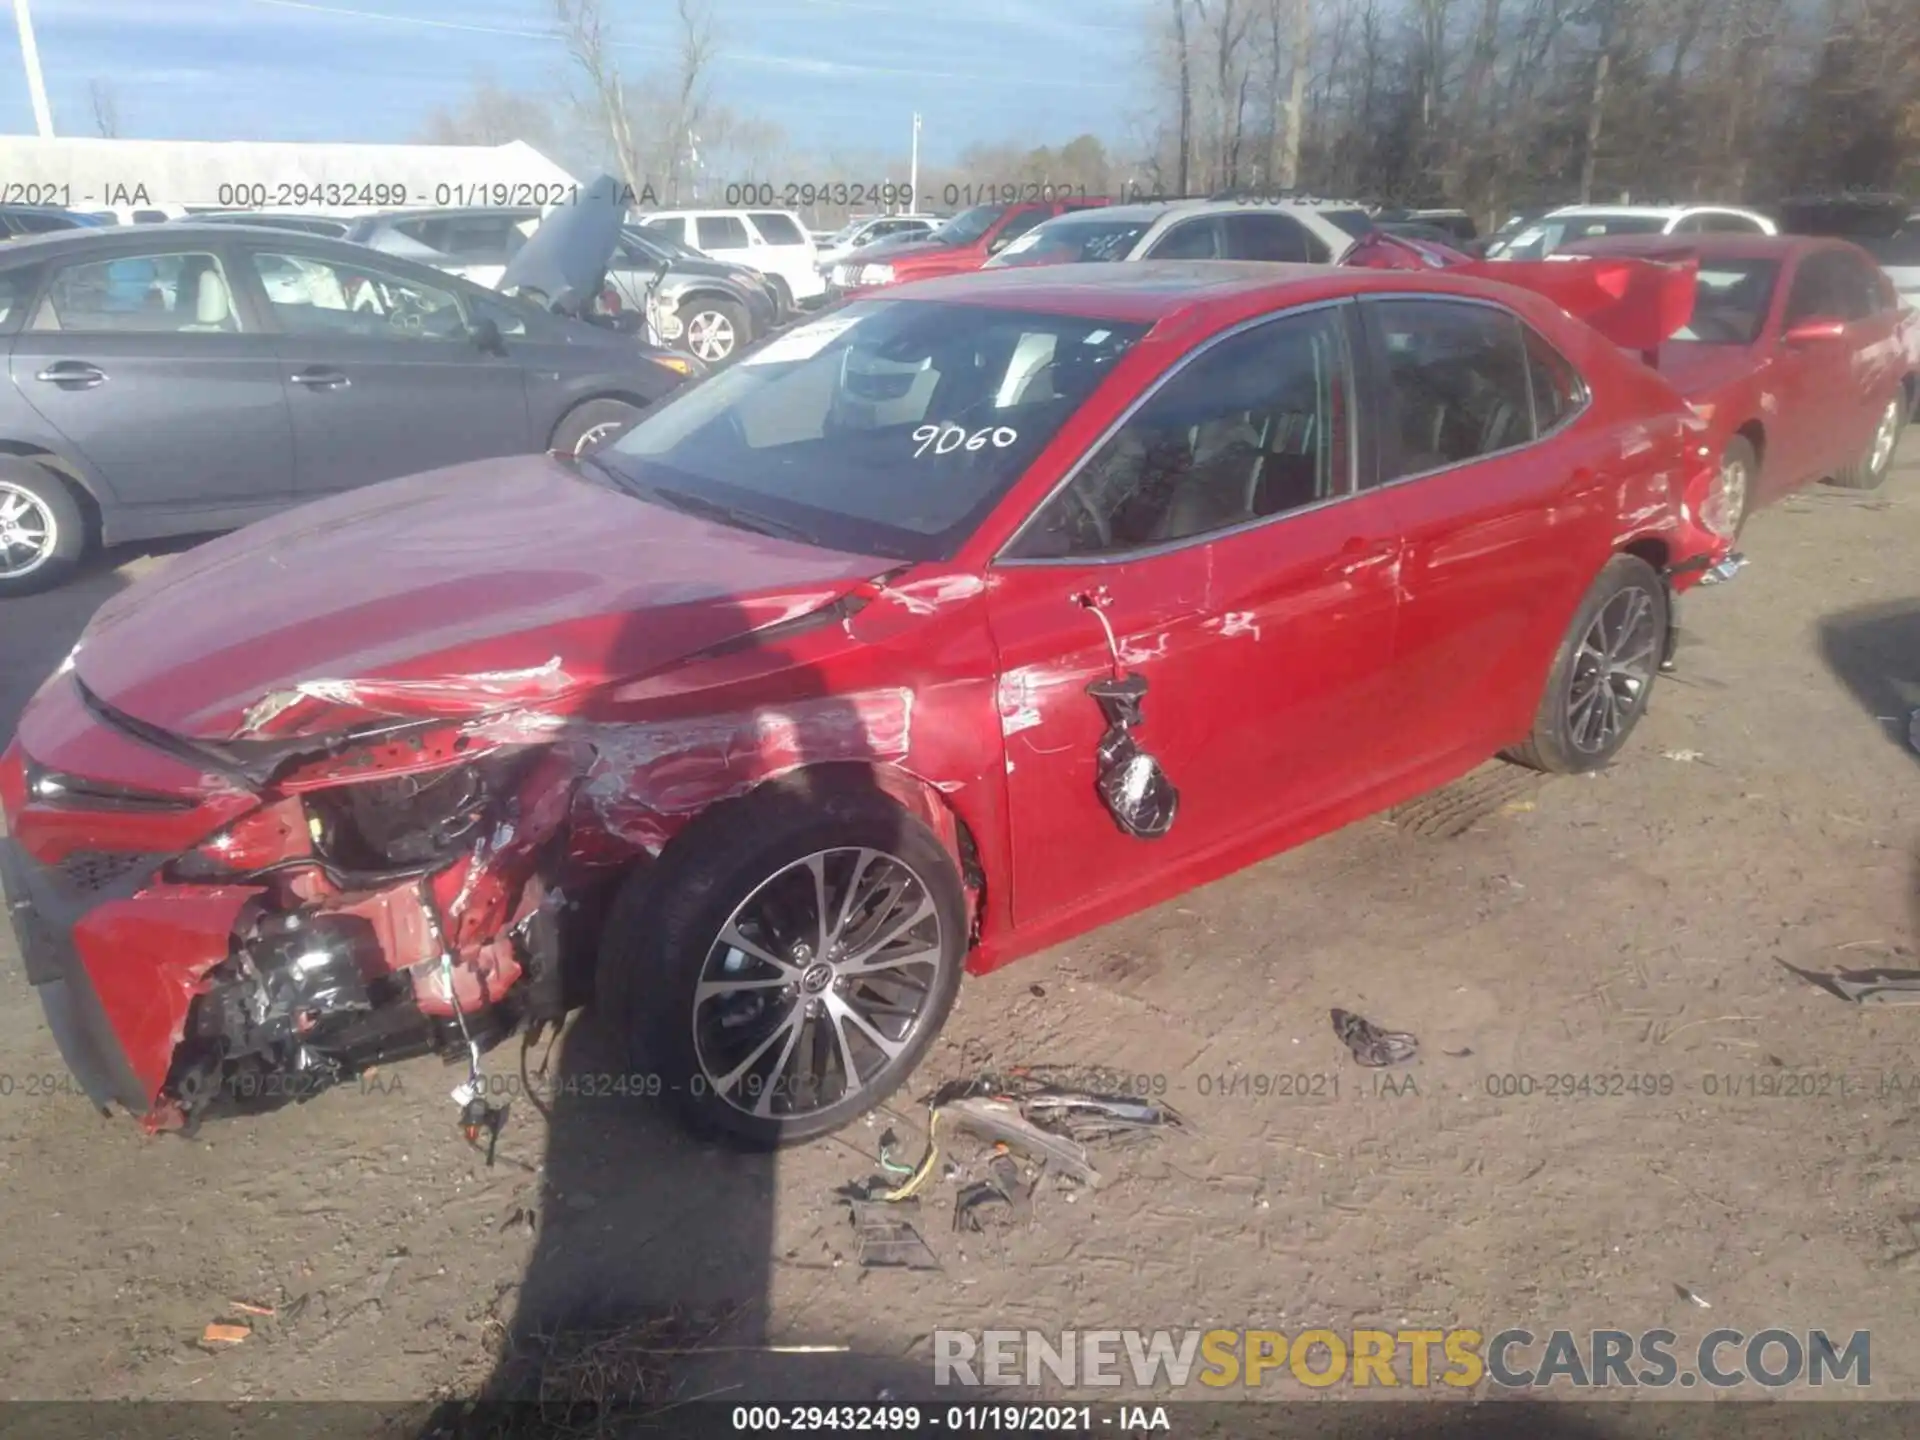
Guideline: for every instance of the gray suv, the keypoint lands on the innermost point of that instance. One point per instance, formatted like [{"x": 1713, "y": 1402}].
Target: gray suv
[
  {"x": 170, "y": 380},
  {"x": 709, "y": 307}
]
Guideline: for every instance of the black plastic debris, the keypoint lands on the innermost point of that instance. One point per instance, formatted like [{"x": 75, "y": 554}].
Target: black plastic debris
[
  {"x": 1001, "y": 1120},
  {"x": 885, "y": 1239},
  {"x": 1865, "y": 987},
  {"x": 1003, "y": 1197},
  {"x": 1085, "y": 1115},
  {"x": 1372, "y": 1046}
]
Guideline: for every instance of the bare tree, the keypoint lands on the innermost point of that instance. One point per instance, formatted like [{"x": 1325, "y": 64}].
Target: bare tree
[
  {"x": 699, "y": 42},
  {"x": 1301, "y": 51},
  {"x": 589, "y": 41},
  {"x": 106, "y": 109},
  {"x": 492, "y": 114}
]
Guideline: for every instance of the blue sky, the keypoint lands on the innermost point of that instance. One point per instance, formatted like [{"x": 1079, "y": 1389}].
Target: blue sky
[{"x": 835, "y": 74}]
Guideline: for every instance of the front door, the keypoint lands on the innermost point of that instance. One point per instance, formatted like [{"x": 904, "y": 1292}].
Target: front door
[
  {"x": 1217, "y": 535},
  {"x": 146, "y": 366},
  {"x": 382, "y": 377}
]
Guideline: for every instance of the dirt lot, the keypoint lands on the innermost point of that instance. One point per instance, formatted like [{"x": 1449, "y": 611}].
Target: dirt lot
[{"x": 1632, "y": 923}]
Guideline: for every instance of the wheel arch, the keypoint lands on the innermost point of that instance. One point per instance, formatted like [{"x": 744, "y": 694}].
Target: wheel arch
[
  {"x": 625, "y": 397},
  {"x": 75, "y": 478},
  {"x": 1755, "y": 434},
  {"x": 918, "y": 797}
]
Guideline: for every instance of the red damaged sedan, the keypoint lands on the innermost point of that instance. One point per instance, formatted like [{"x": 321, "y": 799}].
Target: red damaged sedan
[
  {"x": 936, "y": 631},
  {"x": 1795, "y": 355}
]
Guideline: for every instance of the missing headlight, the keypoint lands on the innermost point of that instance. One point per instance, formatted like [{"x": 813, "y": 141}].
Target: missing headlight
[{"x": 405, "y": 821}]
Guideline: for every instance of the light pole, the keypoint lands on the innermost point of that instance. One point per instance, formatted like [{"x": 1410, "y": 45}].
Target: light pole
[
  {"x": 913, "y": 169},
  {"x": 30, "y": 57}
]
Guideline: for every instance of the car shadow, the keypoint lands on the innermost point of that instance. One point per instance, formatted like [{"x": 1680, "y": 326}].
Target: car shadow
[
  {"x": 1874, "y": 650},
  {"x": 655, "y": 1249}
]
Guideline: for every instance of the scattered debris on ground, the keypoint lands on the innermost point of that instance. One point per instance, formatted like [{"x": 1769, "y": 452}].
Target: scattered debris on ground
[
  {"x": 1865, "y": 987},
  {"x": 1372, "y": 1046}
]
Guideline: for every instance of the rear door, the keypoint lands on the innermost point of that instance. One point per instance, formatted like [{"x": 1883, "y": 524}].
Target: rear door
[
  {"x": 1196, "y": 239},
  {"x": 160, "y": 377},
  {"x": 1490, "y": 505},
  {"x": 1219, "y": 536},
  {"x": 380, "y": 373},
  {"x": 1262, "y": 235}
]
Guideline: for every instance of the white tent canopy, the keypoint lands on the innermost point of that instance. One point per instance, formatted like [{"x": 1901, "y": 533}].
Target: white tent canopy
[{"x": 95, "y": 174}]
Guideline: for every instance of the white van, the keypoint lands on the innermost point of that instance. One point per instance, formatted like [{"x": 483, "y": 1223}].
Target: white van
[{"x": 773, "y": 242}]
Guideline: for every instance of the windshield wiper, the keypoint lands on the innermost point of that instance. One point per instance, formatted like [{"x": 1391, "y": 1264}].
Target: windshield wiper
[{"x": 729, "y": 515}]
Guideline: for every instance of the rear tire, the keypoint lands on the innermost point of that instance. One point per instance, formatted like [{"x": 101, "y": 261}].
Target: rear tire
[
  {"x": 1871, "y": 468},
  {"x": 1602, "y": 674},
  {"x": 43, "y": 531},
  {"x": 585, "y": 428},
  {"x": 689, "y": 1004}
]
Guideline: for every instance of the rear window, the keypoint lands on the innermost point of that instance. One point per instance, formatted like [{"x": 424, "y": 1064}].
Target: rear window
[
  {"x": 884, "y": 428},
  {"x": 41, "y": 222},
  {"x": 1079, "y": 240},
  {"x": 1730, "y": 302},
  {"x": 1542, "y": 238},
  {"x": 776, "y": 229},
  {"x": 1356, "y": 223}
]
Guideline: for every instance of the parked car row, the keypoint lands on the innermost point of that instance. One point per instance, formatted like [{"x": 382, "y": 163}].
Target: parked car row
[{"x": 942, "y": 626}]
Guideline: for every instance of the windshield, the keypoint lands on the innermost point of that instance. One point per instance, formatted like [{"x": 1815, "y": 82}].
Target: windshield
[
  {"x": 1730, "y": 301},
  {"x": 889, "y": 427},
  {"x": 1074, "y": 240},
  {"x": 1543, "y": 237},
  {"x": 969, "y": 225}
]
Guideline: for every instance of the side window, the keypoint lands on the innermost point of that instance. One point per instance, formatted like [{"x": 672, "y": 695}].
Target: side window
[
  {"x": 1454, "y": 378},
  {"x": 1858, "y": 285},
  {"x": 1819, "y": 291},
  {"x": 1273, "y": 237},
  {"x": 1022, "y": 221},
  {"x": 1727, "y": 223},
  {"x": 1189, "y": 240},
  {"x": 176, "y": 294},
  {"x": 1254, "y": 427},
  {"x": 776, "y": 229},
  {"x": 671, "y": 226},
  {"x": 486, "y": 239},
  {"x": 1691, "y": 225},
  {"x": 720, "y": 232},
  {"x": 310, "y": 295},
  {"x": 1558, "y": 390}
]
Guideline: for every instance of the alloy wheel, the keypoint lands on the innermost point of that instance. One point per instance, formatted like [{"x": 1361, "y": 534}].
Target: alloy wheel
[
  {"x": 817, "y": 983},
  {"x": 1885, "y": 436},
  {"x": 1612, "y": 669},
  {"x": 28, "y": 531},
  {"x": 594, "y": 436},
  {"x": 1727, "y": 500},
  {"x": 710, "y": 336}
]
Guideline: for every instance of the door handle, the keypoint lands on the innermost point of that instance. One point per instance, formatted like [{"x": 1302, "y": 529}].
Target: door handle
[
  {"x": 73, "y": 374},
  {"x": 1359, "y": 554},
  {"x": 320, "y": 379}
]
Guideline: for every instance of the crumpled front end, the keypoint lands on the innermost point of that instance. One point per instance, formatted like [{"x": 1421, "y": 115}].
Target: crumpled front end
[{"x": 257, "y": 918}]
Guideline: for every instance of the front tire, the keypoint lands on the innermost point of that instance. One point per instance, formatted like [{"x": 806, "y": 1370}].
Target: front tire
[
  {"x": 585, "y": 428},
  {"x": 1871, "y": 468},
  {"x": 1731, "y": 500},
  {"x": 714, "y": 330},
  {"x": 788, "y": 962},
  {"x": 1602, "y": 674},
  {"x": 43, "y": 532}
]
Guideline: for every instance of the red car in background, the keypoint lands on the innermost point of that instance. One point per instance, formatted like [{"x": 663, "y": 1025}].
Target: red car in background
[
  {"x": 932, "y": 633},
  {"x": 1796, "y": 355},
  {"x": 964, "y": 243}
]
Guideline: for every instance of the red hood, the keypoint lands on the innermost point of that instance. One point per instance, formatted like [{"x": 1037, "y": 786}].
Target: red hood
[{"x": 474, "y": 588}]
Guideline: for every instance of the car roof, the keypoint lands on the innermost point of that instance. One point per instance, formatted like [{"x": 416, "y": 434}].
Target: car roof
[
  {"x": 1715, "y": 244},
  {"x": 111, "y": 240},
  {"x": 1148, "y": 291}
]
